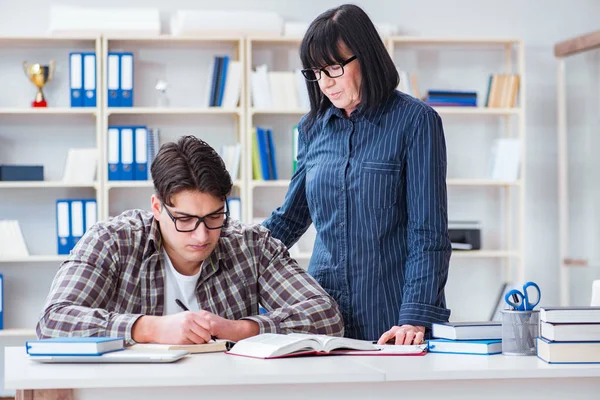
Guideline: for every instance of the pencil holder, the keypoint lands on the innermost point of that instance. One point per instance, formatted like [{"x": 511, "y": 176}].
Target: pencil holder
[{"x": 519, "y": 332}]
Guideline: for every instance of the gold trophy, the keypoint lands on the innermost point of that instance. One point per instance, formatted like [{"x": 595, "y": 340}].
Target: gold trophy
[{"x": 39, "y": 75}]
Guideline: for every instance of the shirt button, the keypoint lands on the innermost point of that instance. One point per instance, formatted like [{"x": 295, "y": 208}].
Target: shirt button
[
  {"x": 342, "y": 189},
  {"x": 341, "y": 224}
]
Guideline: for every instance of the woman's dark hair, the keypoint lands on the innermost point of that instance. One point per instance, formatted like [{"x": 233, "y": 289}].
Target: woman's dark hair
[
  {"x": 189, "y": 164},
  {"x": 321, "y": 46}
]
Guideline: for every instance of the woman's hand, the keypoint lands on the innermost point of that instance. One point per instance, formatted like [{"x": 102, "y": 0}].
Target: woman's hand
[{"x": 405, "y": 334}]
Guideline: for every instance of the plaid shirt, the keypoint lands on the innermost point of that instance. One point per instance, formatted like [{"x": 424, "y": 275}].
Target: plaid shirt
[{"x": 115, "y": 275}]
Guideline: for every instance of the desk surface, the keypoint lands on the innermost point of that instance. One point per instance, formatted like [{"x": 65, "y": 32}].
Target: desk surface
[{"x": 222, "y": 369}]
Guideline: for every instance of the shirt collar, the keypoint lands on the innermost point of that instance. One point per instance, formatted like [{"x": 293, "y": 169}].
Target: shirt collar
[
  {"x": 154, "y": 243},
  {"x": 372, "y": 115}
]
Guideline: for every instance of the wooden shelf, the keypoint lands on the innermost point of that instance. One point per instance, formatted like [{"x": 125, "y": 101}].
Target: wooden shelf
[
  {"x": 143, "y": 184},
  {"x": 477, "y": 111},
  {"x": 279, "y": 111},
  {"x": 449, "y": 182},
  {"x": 48, "y": 111},
  {"x": 167, "y": 40},
  {"x": 449, "y": 41},
  {"x": 481, "y": 182},
  {"x": 17, "y": 333},
  {"x": 44, "y": 185},
  {"x": 172, "y": 111},
  {"x": 276, "y": 39},
  {"x": 65, "y": 41},
  {"x": 35, "y": 259},
  {"x": 484, "y": 254}
]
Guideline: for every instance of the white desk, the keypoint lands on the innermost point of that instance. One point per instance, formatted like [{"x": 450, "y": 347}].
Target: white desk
[{"x": 223, "y": 376}]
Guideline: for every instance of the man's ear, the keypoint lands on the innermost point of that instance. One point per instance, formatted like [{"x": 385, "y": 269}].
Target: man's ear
[{"x": 156, "y": 207}]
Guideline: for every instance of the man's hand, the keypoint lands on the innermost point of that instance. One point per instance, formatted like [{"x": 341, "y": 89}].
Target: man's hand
[
  {"x": 190, "y": 328},
  {"x": 405, "y": 334}
]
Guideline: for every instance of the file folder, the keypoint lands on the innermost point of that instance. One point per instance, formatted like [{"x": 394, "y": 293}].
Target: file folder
[
  {"x": 127, "y": 155},
  {"x": 91, "y": 213},
  {"x": 89, "y": 79},
  {"x": 1, "y": 302},
  {"x": 63, "y": 231},
  {"x": 113, "y": 80},
  {"x": 77, "y": 223},
  {"x": 141, "y": 154},
  {"x": 222, "y": 80},
  {"x": 114, "y": 156},
  {"x": 126, "y": 80},
  {"x": 76, "y": 79}
]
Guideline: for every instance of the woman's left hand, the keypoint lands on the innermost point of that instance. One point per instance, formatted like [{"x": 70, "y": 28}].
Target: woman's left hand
[{"x": 405, "y": 334}]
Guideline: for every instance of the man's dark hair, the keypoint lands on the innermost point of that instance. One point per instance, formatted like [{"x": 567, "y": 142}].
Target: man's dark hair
[
  {"x": 350, "y": 25},
  {"x": 189, "y": 164}
]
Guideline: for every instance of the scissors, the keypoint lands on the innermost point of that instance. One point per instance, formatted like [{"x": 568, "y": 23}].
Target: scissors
[{"x": 521, "y": 301}]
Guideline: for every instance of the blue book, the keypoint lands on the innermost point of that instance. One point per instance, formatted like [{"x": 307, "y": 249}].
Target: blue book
[
  {"x": 481, "y": 347},
  {"x": 485, "y": 330},
  {"x": 74, "y": 346}
]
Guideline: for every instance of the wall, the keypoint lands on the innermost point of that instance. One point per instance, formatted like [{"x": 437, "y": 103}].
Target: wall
[{"x": 539, "y": 23}]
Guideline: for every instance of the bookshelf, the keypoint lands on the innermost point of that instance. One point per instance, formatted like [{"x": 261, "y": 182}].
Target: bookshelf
[
  {"x": 184, "y": 63},
  {"x": 39, "y": 136},
  {"x": 446, "y": 63}
]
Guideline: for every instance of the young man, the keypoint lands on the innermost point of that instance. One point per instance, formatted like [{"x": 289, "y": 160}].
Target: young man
[{"x": 134, "y": 275}]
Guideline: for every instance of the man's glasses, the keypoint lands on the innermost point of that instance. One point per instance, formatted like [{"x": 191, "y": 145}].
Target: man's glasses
[
  {"x": 332, "y": 71},
  {"x": 189, "y": 223}
]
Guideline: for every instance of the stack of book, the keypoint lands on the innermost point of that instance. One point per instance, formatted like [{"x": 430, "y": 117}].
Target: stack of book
[
  {"x": 451, "y": 98},
  {"x": 484, "y": 338},
  {"x": 569, "y": 335}
]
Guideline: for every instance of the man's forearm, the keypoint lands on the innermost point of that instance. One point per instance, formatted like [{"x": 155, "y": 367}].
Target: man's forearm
[{"x": 143, "y": 330}]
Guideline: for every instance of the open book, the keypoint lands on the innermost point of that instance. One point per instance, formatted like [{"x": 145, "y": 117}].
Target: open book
[{"x": 273, "y": 345}]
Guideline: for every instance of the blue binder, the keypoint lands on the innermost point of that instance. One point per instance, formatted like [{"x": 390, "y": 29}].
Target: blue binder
[
  {"x": 63, "y": 226},
  {"x": 76, "y": 78},
  {"x": 127, "y": 153},
  {"x": 90, "y": 215},
  {"x": 263, "y": 152},
  {"x": 114, "y": 153},
  {"x": 222, "y": 80},
  {"x": 140, "y": 146},
  {"x": 113, "y": 79},
  {"x": 272, "y": 160},
  {"x": 126, "y": 72},
  {"x": 77, "y": 221},
  {"x": 89, "y": 79}
]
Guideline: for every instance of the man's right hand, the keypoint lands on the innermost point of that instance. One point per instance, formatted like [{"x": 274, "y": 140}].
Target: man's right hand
[{"x": 181, "y": 328}]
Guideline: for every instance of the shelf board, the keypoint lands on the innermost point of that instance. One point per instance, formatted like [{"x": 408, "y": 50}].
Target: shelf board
[
  {"x": 481, "y": 182},
  {"x": 47, "y": 41},
  {"x": 449, "y": 41},
  {"x": 279, "y": 111},
  {"x": 43, "y": 185},
  {"x": 33, "y": 259},
  {"x": 170, "y": 39},
  {"x": 477, "y": 111},
  {"x": 484, "y": 254},
  {"x": 279, "y": 183},
  {"x": 48, "y": 111},
  {"x": 276, "y": 39},
  {"x": 7, "y": 333},
  {"x": 449, "y": 182},
  {"x": 143, "y": 184},
  {"x": 173, "y": 111}
]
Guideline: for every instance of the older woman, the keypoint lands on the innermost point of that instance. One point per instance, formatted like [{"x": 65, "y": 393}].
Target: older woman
[{"x": 371, "y": 176}]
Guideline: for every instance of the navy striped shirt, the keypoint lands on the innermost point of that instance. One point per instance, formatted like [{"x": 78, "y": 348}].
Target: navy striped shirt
[{"x": 374, "y": 185}]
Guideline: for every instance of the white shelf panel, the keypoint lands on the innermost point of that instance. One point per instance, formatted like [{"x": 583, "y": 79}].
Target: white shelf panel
[
  {"x": 43, "y": 185},
  {"x": 477, "y": 111},
  {"x": 46, "y": 41},
  {"x": 280, "y": 111},
  {"x": 35, "y": 259},
  {"x": 276, "y": 39},
  {"x": 449, "y": 182},
  {"x": 173, "y": 111},
  {"x": 481, "y": 182},
  {"x": 484, "y": 254},
  {"x": 6, "y": 333},
  {"x": 279, "y": 183},
  {"x": 143, "y": 184},
  {"x": 49, "y": 111},
  {"x": 399, "y": 40},
  {"x": 165, "y": 40}
]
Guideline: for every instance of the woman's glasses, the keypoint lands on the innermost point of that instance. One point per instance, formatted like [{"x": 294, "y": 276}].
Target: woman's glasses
[{"x": 332, "y": 71}]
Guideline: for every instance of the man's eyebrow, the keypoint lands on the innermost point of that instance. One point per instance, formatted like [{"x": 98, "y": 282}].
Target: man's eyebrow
[{"x": 183, "y": 214}]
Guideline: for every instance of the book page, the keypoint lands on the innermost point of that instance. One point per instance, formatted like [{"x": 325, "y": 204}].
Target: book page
[{"x": 273, "y": 345}]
